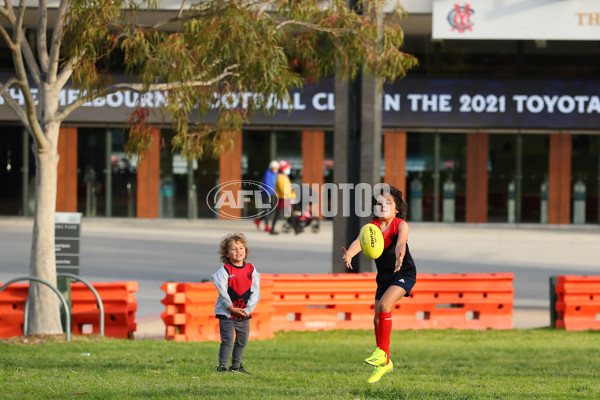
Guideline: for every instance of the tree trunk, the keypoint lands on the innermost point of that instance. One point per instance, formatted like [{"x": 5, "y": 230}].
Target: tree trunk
[{"x": 44, "y": 311}]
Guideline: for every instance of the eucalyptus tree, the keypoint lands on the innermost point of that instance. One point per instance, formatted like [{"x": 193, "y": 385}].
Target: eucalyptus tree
[{"x": 225, "y": 58}]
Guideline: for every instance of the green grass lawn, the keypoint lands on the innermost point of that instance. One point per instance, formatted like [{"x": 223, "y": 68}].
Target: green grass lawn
[{"x": 429, "y": 364}]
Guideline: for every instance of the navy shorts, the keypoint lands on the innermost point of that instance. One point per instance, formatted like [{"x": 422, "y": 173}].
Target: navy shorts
[{"x": 405, "y": 283}]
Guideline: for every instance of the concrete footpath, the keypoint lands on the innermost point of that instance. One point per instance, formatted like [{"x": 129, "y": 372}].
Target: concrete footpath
[{"x": 156, "y": 251}]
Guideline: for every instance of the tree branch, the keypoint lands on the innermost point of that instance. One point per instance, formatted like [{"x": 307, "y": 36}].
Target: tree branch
[
  {"x": 30, "y": 110},
  {"x": 31, "y": 62},
  {"x": 29, "y": 57},
  {"x": 181, "y": 9},
  {"x": 4, "y": 34},
  {"x": 57, "y": 38},
  {"x": 8, "y": 84},
  {"x": 138, "y": 87},
  {"x": 264, "y": 6},
  {"x": 7, "y": 13},
  {"x": 9, "y": 7},
  {"x": 21, "y": 114},
  {"x": 18, "y": 33},
  {"x": 42, "y": 26},
  {"x": 65, "y": 73},
  {"x": 16, "y": 108},
  {"x": 311, "y": 26}
]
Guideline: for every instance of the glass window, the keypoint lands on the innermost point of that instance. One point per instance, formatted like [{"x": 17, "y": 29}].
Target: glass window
[
  {"x": 173, "y": 180},
  {"x": 534, "y": 178},
  {"x": 123, "y": 176},
  {"x": 289, "y": 148},
  {"x": 11, "y": 175},
  {"x": 257, "y": 150},
  {"x": 260, "y": 147},
  {"x": 206, "y": 177},
  {"x": 91, "y": 167},
  {"x": 453, "y": 156},
  {"x": 585, "y": 171},
  {"x": 424, "y": 180},
  {"x": 419, "y": 181},
  {"x": 182, "y": 195},
  {"x": 501, "y": 178}
]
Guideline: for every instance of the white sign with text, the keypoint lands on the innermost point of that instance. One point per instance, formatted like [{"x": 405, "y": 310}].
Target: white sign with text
[{"x": 516, "y": 19}]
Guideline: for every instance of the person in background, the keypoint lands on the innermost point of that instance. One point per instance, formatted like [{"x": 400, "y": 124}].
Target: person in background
[
  {"x": 268, "y": 192},
  {"x": 285, "y": 193}
]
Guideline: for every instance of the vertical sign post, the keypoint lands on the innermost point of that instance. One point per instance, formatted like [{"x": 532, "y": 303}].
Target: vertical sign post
[{"x": 67, "y": 230}]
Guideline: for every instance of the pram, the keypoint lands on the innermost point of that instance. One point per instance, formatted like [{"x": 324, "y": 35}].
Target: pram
[{"x": 302, "y": 219}]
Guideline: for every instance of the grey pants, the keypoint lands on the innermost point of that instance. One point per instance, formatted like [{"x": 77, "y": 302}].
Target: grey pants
[{"x": 228, "y": 327}]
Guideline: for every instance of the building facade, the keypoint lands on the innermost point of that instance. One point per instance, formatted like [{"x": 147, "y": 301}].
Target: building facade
[{"x": 493, "y": 126}]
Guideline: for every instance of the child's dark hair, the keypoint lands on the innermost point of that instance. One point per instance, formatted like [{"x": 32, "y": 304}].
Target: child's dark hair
[
  {"x": 224, "y": 246},
  {"x": 396, "y": 194}
]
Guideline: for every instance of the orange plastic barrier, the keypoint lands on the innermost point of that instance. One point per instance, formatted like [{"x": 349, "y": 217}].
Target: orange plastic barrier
[
  {"x": 190, "y": 312},
  {"x": 12, "y": 304},
  {"x": 578, "y": 302},
  {"x": 309, "y": 302},
  {"x": 118, "y": 299},
  {"x": 119, "y": 302},
  {"x": 345, "y": 301},
  {"x": 459, "y": 301}
]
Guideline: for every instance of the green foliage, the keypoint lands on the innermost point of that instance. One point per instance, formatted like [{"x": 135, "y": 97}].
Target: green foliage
[
  {"x": 228, "y": 59},
  {"x": 87, "y": 40},
  {"x": 429, "y": 364}
]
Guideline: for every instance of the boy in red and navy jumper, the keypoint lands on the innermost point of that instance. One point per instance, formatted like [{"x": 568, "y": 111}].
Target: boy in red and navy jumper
[
  {"x": 396, "y": 273},
  {"x": 238, "y": 284}
]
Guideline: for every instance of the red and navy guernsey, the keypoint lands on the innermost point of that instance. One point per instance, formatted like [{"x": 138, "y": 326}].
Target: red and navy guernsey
[
  {"x": 238, "y": 287},
  {"x": 387, "y": 260}
]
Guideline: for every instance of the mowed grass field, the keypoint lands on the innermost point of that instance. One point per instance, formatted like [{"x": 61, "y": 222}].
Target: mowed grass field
[{"x": 429, "y": 364}]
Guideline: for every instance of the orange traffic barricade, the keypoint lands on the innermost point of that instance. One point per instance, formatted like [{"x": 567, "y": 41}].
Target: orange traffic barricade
[
  {"x": 346, "y": 301},
  {"x": 190, "y": 312},
  {"x": 120, "y": 306},
  {"x": 459, "y": 301},
  {"x": 12, "y": 305},
  {"x": 118, "y": 299},
  {"x": 322, "y": 301},
  {"x": 578, "y": 302},
  {"x": 308, "y": 302}
]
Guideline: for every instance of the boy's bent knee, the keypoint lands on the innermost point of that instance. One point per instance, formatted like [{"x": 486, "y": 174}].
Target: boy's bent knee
[{"x": 384, "y": 307}]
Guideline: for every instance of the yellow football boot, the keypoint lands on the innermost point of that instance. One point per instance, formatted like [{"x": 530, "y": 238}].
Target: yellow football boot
[
  {"x": 380, "y": 371},
  {"x": 377, "y": 358}
]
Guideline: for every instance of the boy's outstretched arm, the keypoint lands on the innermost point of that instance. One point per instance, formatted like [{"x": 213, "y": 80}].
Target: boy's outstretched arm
[{"x": 353, "y": 250}]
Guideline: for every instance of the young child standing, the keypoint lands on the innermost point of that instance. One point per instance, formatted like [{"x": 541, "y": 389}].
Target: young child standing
[
  {"x": 238, "y": 284},
  {"x": 396, "y": 274}
]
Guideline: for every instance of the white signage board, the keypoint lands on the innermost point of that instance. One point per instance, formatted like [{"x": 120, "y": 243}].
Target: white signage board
[{"x": 516, "y": 19}]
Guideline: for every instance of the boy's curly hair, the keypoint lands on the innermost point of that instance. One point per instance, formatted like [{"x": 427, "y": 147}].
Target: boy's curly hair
[
  {"x": 401, "y": 206},
  {"x": 224, "y": 246}
]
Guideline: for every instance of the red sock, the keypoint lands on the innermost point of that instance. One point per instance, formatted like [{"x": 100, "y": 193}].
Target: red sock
[
  {"x": 377, "y": 335},
  {"x": 385, "y": 330}
]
